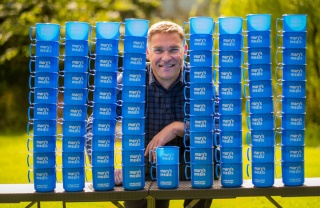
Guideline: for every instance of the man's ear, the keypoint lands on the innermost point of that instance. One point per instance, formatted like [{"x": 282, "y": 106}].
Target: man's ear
[
  {"x": 148, "y": 53},
  {"x": 185, "y": 50}
]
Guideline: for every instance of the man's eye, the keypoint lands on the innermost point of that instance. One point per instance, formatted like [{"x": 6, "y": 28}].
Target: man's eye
[
  {"x": 158, "y": 50},
  {"x": 174, "y": 50}
]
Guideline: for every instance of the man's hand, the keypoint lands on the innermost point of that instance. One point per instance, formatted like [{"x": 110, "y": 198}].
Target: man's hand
[{"x": 118, "y": 177}]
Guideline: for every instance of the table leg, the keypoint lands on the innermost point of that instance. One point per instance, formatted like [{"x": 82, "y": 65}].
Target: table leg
[
  {"x": 151, "y": 202},
  {"x": 274, "y": 202},
  {"x": 192, "y": 203}
]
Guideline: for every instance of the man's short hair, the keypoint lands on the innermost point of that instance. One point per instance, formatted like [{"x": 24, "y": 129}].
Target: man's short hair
[{"x": 165, "y": 27}]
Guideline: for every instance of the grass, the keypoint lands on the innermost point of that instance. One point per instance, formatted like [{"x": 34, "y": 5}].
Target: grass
[{"x": 13, "y": 169}]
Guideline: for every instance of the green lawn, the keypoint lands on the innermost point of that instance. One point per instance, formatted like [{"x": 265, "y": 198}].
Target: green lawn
[{"x": 14, "y": 170}]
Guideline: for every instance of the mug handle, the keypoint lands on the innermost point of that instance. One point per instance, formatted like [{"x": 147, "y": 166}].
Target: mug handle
[
  {"x": 218, "y": 174},
  {"x": 151, "y": 173},
  {"x": 186, "y": 172},
  {"x": 247, "y": 170},
  {"x": 248, "y": 155}
]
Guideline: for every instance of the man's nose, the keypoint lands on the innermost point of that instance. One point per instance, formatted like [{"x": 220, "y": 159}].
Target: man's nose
[{"x": 166, "y": 55}]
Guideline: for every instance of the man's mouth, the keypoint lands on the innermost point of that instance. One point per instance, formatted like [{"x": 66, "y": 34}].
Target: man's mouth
[{"x": 167, "y": 65}]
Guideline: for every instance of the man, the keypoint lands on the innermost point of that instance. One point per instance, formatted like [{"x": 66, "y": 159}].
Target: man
[{"x": 164, "y": 124}]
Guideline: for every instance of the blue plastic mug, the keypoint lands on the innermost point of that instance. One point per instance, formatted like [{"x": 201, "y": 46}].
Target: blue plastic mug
[
  {"x": 75, "y": 80},
  {"x": 41, "y": 160},
  {"x": 73, "y": 128},
  {"x": 230, "y": 106},
  {"x": 133, "y": 142},
  {"x": 199, "y": 139},
  {"x": 293, "y": 22},
  {"x": 292, "y": 173},
  {"x": 74, "y": 112},
  {"x": 167, "y": 176},
  {"x": 133, "y": 93},
  {"x": 73, "y": 179},
  {"x": 229, "y": 154},
  {"x": 199, "y": 155},
  {"x": 104, "y": 47},
  {"x": 261, "y": 154},
  {"x": 228, "y": 139},
  {"x": 230, "y": 58},
  {"x": 200, "y": 42},
  {"x": 230, "y": 174},
  {"x": 102, "y": 127},
  {"x": 107, "y": 30},
  {"x": 294, "y": 39},
  {"x": 198, "y": 75},
  {"x": 105, "y": 63},
  {"x": 258, "y": 22},
  {"x": 230, "y": 42},
  {"x": 294, "y": 72},
  {"x": 133, "y": 44},
  {"x": 261, "y": 138},
  {"x": 258, "y": 72},
  {"x": 103, "y": 178},
  {"x": 77, "y": 30},
  {"x": 201, "y": 175},
  {"x": 260, "y": 121},
  {"x": 230, "y": 122},
  {"x": 75, "y": 96},
  {"x": 133, "y": 177},
  {"x": 104, "y": 111},
  {"x": 132, "y": 157},
  {"x": 201, "y": 58},
  {"x": 201, "y": 25},
  {"x": 44, "y": 64},
  {"x": 259, "y": 105},
  {"x": 293, "y": 56},
  {"x": 262, "y": 88},
  {"x": 230, "y": 90},
  {"x": 45, "y": 32},
  {"x": 73, "y": 144},
  {"x": 76, "y": 63},
  {"x": 134, "y": 61},
  {"x": 293, "y": 105},
  {"x": 76, "y": 48},
  {"x": 230, "y": 25},
  {"x": 133, "y": 126},
  {"x": 73, "y": 159},
  {"x": 134, "y": 77},
  {"x": 294, "y": 89},
  {"x": 136, "y": 27},
  {"x": 200, "y": 91},
  {"x": 102, "y": 158},
  {"x": 44, "y": 179},
  {"x": 42, "y": 111},
  {"x": 133, "y": 110},
  {"x": 104, "y": 95},
  {"x": 43, "y": 96},
  {"x": 259, "y": 55},
  {"x": 44, "y": 49},
  {"x": 199, "y": 107},
  {"x": 292, "y": 137},
  {"x": 229, "y": 74},
  {"x": 259, "y": 39},
  {"x": 41, "y": 144},
  {"x": 103, "y": 143},
  {"x": 293, "y": 121},
  {"x": 165, "y": 155},
  {"x": 262, "y": 173},
  {"x": 42, "y": 127},
  {"x": 43, "y": 80},
  {"x": 202, "y": 123},
  {"x": 292, "y": 153}
]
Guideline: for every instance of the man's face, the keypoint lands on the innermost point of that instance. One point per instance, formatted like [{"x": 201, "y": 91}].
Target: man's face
[{"x": 166, "y": 53}]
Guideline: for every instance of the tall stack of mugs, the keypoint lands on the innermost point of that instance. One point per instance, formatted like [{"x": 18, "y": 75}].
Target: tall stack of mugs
[
  {"x": 105, "y": 57},
  {"x": 199, "y": 108},
  {"x": 293, "y": 97},
  {"x": 42, "y": 113},
  {"x": 133, "y": 103},
  {"x": 230, "y": 100},
  {"x": 259, "y": 105}
]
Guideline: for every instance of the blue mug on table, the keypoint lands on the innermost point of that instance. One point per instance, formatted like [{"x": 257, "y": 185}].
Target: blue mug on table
[
  {"x": 75, "y": 80},
  {"x": 293, "y": 137},
  {"x": 201, "y": 25},
  {"x": 43, "y": 95},
  {"x": 104, "y": 63},
  {"x": 133, "y": 177},
  {"x": 201, "y": 123},
  {"x": 259, "y": 55},
  {"x": 293, "y": 22},
  {"x": 45, "y": 32},
  {"x": 73, "y": 144},
  {"x": 41, "y": 160},
  {"x": 228, "y": 138},
  {"x": 198, "y": 75},
  {"x": 102, "y": 158},
  {"x": 43, "y": 80},
  {"x": 105, "y": 47},
  {"x": 230, "y": 25},
  {"x": 199, "y": 107},
  {"x": 107, "y": 30},
  {"x": 42, "y": 127},
  {"x": 230, "y": 173},
  {"x": 261, "y": 138},
  {"x": 258, "y": 22},
  {"x": 76, "y": 48},
  {"x": 293, "y": 121},
  {"x": 229, "y": 74},
  {"x": 133, "y": 142},
  {"x": 199, "y": 42},
  {"x": 74, "y": 96},
  {"x": 44, "y": 64},
  {"x": 74, "y": 112},
  {"x": 230, "y": 58},
  {"x": 132, "y": 157},
  {"x": 103, "y": 143},
  {"x": 230, "y": 90},
  {"x": 44, "y": 49},
  {"x": 134, "y": 77},
  {"x": 201, "y": 175},
  {"x": 230, "y": 42},
  {"x": 136, "y": 27},
  {"x": 292, "y": 153},
  {"x": 133, "y": 126},
  {"x": 262, "y": 173},
  {"x": 167, "y": 176},
  {"x": 294, "y": 89},
  {"x": 133, "y": 109},
  {"x": 230, "y": 122},
  {"x": 262, "y": 88},
  {"x": 199, "y": 139},
  {"x": 257, "y": 72},
  {"x": 293, "y": 39},
  {"x": 293, "y": 72},
  {"x": 73, "y": 159},
  {"x": 293, "y": 105},
  {"x": 259, "y": 105},
  {"x": 261, "y": 154},
  {"x": 77, "y": 30},
  {"x": 292, "y": 173},
  {"x": 201, "y": 58},
  {"x": 165, "y": 155},
  {"x": 103, "y": 178},
  {"x": 199, "y": 155},
  {"x": 43, "y": 111},
  {"x": 104, "y": 111},
  {"x": 229, "y": 154},
  {"x": 44, "y": 179},
  {"x": 133, "y": 44},
  {"x": 230, "y": 106},
  {"x": 73, "y": 128},
  {"x": 258, "y": 39},
  {"x": 133, "y": 93},
  {"x": 200, "y": 91},
  {"x": 76, "y": 63},
  {"x": 134, "y": 61},
  {"x": 104, "y": 95},
  {"x": 41, "y": 144},
  {"x": 73, "y": 179}
]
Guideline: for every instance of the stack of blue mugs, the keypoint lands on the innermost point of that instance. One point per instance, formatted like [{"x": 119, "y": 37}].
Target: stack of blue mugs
[
  {"x": 75, "y": 93},
  {"x": 230, "y": 101},
  {"x": 105, "y": 57},
  {"x": 293, "y": 96},
  {"x": 259, "y": 105},
  {"x": 199, "y": 93},
  {"x": 133, "y": 103},
  {"x": 42, "y": 113}
]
